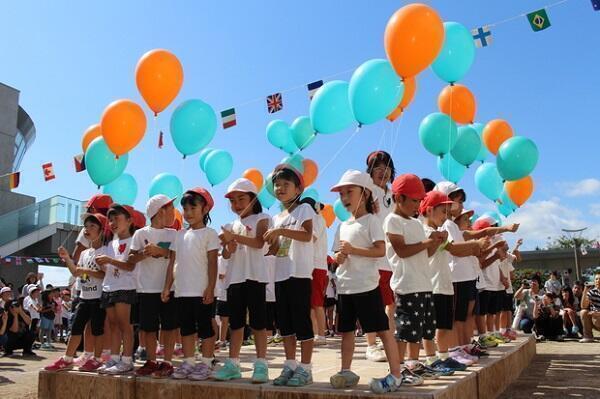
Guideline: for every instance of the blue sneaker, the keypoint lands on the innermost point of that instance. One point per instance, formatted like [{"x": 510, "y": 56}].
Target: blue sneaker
[
  {"x": 284, "y": 377},
  {"x": 300, "y": 378},
  {"x": 261, "y": 372},
  {"x": 389, "y": 383},
  {"x": 451, "y": 364},
  {"x": 229, "y": 371}
]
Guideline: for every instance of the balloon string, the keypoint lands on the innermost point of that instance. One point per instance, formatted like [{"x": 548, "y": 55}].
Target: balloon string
[
  {"x": 547, "y": 6},
  {"x": 449, "y": 135}
]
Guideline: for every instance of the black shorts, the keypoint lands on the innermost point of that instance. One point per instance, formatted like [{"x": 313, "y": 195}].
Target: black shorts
[
  {"x": 271, "y": 316},
  {"x": 293, "y": 308},
  {"x": 464, "y": 292},
  {"x": 415, "y": 317},
  {"x": 121, "y": 296},
  {"x": 330, "y": 302},
  {"x": 222, "y": 309},
  {"x": 488, "y": 302},
  {"x": 247, "y": 298},
  {"x": 88, "y": 310},
  {"x": 507, "y": 302},
  {"x": 367, "y": 307},
  {"x": 444, "y": 311},
  {"x": 194, "y": 317},
  {"x": 154, "y": 314}
]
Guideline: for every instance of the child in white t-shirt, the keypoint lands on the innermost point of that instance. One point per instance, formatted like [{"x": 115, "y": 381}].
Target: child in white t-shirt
[
  {"x": 193, "y": 269},
  {"x": 331, "y": 297},
  {"x": 358, "y": 245},
  {"x": 222, "y": 310},
  {"x": 507, "y": 270},
  {"x": 273, "y": 335}
]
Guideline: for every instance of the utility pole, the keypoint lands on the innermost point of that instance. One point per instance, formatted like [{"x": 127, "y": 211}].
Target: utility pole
[{"x": 574, "y": 234}]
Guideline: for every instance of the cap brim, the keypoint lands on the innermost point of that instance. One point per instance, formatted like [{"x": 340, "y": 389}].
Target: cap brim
[
  {"x": 228, "y": 195},
  {"x": 470, "y": 213}
]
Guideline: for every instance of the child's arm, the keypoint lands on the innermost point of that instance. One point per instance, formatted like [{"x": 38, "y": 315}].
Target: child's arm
[
  {"x": 305, "y": 234},
  {"x": 485, "y": 262},
  {"x": 64, "y": 255},
  {"x": 377, "y": 250},
  {"x": 135, "y": 257},
  {"x": 104, "y": 259},
  {"x": 93, "y": 273},
  {"x": 165, "y": 295},
  {"x": 253, "y": 242},
  {"x": 209, "y": 293},
  {"x": 490, "y": 231},
  {"x": 469, "y": 248},
  {"x": 229, "y": 249},
  {"x": 404, "y": 250}
]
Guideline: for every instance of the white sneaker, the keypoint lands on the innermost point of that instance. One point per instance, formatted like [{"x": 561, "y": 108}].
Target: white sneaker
[
  {"x": 120, "y": 368},
  {"x": 585, "y": 340},
  {"x": 375, "y": 354},
  {"x": 109, "y": 363},
  {"x": 320, "y": 341}
]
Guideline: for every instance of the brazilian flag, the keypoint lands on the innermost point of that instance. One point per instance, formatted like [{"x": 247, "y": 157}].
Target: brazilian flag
[{"x": 538, "y": 20}]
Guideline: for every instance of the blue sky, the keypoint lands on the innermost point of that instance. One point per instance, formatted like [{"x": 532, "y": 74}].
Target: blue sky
[{"x": 70, "y": 59}]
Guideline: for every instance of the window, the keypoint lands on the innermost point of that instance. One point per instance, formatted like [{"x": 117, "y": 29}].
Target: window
[{"x": 19, "y": 151}]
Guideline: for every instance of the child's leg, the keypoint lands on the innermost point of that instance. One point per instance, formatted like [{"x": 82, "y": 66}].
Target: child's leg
[
  {"x": 391, "y": 351},
  {"x": 413, "y": 350},
  {"x": 123, "y": 311},
  {"x": 401, "y": 351},
  {"x": 317, "y": 315},
  {"x": 443, "y": 339},
  {"x": 168, "y": 339},
  {"x": 489, "y": 322},
  {"x": 235, "y": 342},
  {"x": 149, "y": 338},
  {"x": 306, "y": 351},
  {"x": 289, "y": 347},
  {"x": 223, "y": 329},
  {"x": 188, "y": 343},
  {"x": 329, "y": 314},
  {"x": 429, "y": 347},
  {"x": 114, "y": 332},
  {"x": 260, "y": 342},
  {"x": 347, "y": 349}
]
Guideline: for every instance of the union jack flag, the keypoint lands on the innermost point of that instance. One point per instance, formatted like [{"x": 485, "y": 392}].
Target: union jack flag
[{"x": 274, "y": 103}]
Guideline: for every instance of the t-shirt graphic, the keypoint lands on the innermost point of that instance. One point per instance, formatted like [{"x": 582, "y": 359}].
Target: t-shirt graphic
[
  {"x": 284, "y": 244},
  {"x": 88, "y": 263}
]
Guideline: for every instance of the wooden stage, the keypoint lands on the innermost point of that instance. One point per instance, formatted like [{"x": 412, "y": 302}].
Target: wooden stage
[{"x": 486, "y": 380}]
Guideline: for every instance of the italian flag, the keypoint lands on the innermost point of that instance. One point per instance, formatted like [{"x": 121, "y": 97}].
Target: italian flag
[{"x": 228, "y": 118}]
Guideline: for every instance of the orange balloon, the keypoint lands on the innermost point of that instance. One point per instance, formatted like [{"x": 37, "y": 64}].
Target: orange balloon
[
  {"x": 458, "y": 102},
  {"x": 495, "y": 133},
  {"x": 311, "y": 170},
  {"x": 254, "y": 176},
  {"x": 328, "y": 214},
  {"x": 123, "y": 126},
  {"x": 410, "y": 87},
  {"x": 413, "y": 38},
  {"x": 520, "y": 190},
  {"x": 159, "y": 76},
  {"x": 90, "y": 134}
]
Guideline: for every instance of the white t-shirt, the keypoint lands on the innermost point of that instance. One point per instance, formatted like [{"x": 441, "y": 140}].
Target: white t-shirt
[
  {"x": 221, "y": 285},
  {"x": 67, "y": 309},
  {"x": 440, "y": 268},
  {"x": 386, "y": 206},
  {"x": 28, "y": 305},
  {"x": 491, "y": 276},
  {"x": 191, "y": 260},
  {"x": 82, "y": 239},
  {"x": 320, "y": 245},
  {"x": 358, "y": 273},
  {"x": 247, "y": 263},
  {"x": 270, "y": 288},
  {"x": 90, "y": 287},
  {"x": 463, "y": 268},
  {"x": 151, "y": 272},
  {"x": 294, "y": 258},
  {"x": 331, "y": 285},
  {"x": 412, "y": 274},
  {"x": 116, "y": 279},
  {"x": 506, "y": 266}
]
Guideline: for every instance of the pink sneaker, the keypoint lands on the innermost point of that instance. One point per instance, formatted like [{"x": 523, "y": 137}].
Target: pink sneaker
[
  {"x": 464, "y": 354},
  {"x": 456, "y": 355},
  {"x": 80, "y": 360},
  {"x": 91, "y": 365},
  {"x": 507, "y": 335},
  {"x": 59, "y": 365},
  {"x": 512, "y": 334},
  {"x": 160, "y": 351},
  {"x": 178, "y": 352}
]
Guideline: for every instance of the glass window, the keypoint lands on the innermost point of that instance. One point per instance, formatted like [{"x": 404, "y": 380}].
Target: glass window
[{"x": 19, "y": 151}]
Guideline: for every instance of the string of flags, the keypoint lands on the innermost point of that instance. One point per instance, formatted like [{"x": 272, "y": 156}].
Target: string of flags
[{"x": 29, "y": 260}]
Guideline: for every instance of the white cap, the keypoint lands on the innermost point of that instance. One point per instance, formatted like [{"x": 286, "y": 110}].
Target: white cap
[
  {"x": 5, "y": 289},
  {"x": 155, "y": 203},
  {"x": 354, "y": 178},
  {"x": 31, "y": 288},
  {"x": 446, "y": 187},
  {"x": 487, "y": 218},
  {"x": 241, "y": 185}
]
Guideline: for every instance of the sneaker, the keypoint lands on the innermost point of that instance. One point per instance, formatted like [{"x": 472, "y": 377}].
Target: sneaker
[
  {"x": 59, "y": 365},
  {"x": 487, "y": 342},
  {"x": 575, "y": 330},
  {"x": 344, "y": 379},
  {"x": 506, "y": 335},
  {"x": 105, "y": 357},
  {"x": 141, "y": 354},
  {"x": 260, "y": 375},
  {"x": 476, "y": 350},
  {"x": 270, "y": 340},
  {"x": 320, "y": 341},
  {"x": 91, "y": 365},
  {"x": 120, "y": 368},
  {"x": 160, "y": 351},
  {"x": 300, "y": 378},
  {"x": 183, "y": 371},
  {"x": 411, "y": 379},
  {"x": 45, "y": 346},
  {"x": 29, "y": 354},
  {"x": 439, "y": 369},
  {"x": 424, "y": 372},
  {"x": 164, "y": 370},
  {"x": 178, "y": 353},
  {"x": 229, "y": 371},
  {"x": 110, "y": 363},
  {"x": 456, "y": 355},
  {"x": 80, "y": 360},
  {"x": 499, "y": 338},
  {"x": 389, "y": 383},
  {"x": 464, "y": 354},
  {"x": 147, "y": 369},
  {"x": 200, "y": 373},
  {"x": 284, "y": 377},
  {"x": 277, "y": 338},
  {"x": 375, "y": 354},
  {"x": 586, "y": 340},
  {"x": 450, "y": 364}
]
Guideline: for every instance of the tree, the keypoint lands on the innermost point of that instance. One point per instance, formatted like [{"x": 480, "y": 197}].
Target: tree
[{"x": 566, "y": 242}]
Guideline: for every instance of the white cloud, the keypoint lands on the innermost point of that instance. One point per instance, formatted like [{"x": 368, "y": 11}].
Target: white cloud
[
  {"x": 595, "y": 209},
  {"x": 581, "y": 188}
]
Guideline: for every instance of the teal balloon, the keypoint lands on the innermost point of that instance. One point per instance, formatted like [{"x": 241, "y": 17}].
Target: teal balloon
[
  {"x": 193, "y": 126},
  {"x": 494, "y": 215},
  {"x": 101, "y": 164},
  {"x": 507, "y": 206},
  {"x": 303, "y": 132},
  {"x": 517, "y": 158},
  {"x": 310, "y": 193},
  {"x": 123, "y": 190},
  {"x": 166, "y": 184},
  {"x": 438, "y": 133},
  {"x": 340, "y": 210},
  {"x": 203, "y": 154},
  {"x": 218, "y": 166},
  {"x": 450, "y": 168},
  {"x": 488, "y": 181},
  {"x": 467, "y": 146},
  {"x": 294, "y": 160},
  {"x": 330, "y": 110},
  {"x": 269, "y": 184},
  {"x": 265, "y": 198},
  {"x": 279, "y": 135},
  {"x": 375, "y": 90},
  {"x": 457, "y": 54},
  {"x": 483, "y": 151}
]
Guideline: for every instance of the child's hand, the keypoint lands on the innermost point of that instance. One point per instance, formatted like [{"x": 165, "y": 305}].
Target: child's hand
[
  {"x": 339, "y": 257},
  {"x": 63, "y": 254},
  {"x": 79, "y": 271},
  {"x": 102, "y": 260},
  {"x": 513, "y": 227},
  {"x": 436, "y": 239},
  {"x": 208, "y": 296},
  {"x": 231, "y": 246},
  {"x": 271, "y": 236},
  {"x": 272, "y": 250},
  {"x": 152, "y": 250},
  {"x": 165, "y": 295},
  {"x": 519, "y": 242},
  {"x": 227, "y": 235},
  {"x": 346, "y": 248}
]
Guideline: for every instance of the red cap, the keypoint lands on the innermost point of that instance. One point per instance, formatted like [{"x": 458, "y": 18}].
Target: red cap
[
  {"x": 290, "y": 168},
  {"x": 481, "y": 224},
  {"x": 100, "y": 201},
  {"x": 139, "y": 220},
  {"x": 409, "y": 185},
  {"x": 433, "y": 199},
  {"x": 204, "y": 194},
  {"x": 98, "y": 216}
]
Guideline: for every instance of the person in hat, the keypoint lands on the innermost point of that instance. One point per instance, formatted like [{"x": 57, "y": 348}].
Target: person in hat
[
  {"x": 291, "y": 241},
  {"x": 16, "y": 323},
  {"x": 31, "y": 304},
  {"x": 150, "y": 253},
  {"x": 359, "y": 244},
  {"x": 88, "y": 309},
  {"x": 244, "y": 249},
  {"x": 192, "y": 271},
  {"x": 5, "y": 296},
  {"x": 98, "y": 203}
]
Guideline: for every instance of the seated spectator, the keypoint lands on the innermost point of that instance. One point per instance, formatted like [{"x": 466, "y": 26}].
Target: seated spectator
[
  {"x": 31, "y": 279},
  {"x": 19, "y": 335},
  {"x": 3, "y": 327},
  {"x": 553, "y": 285},
  {"x": 5, "y": 296},
  {"x": 527, "y": 295},
  {"x": 590, "y": 310},
  {"x": 568, "y": 312},
  {"x": 566, "y": 278},
  {"x": 577, "y": 293},
  {"x": 547, "y": 319}
]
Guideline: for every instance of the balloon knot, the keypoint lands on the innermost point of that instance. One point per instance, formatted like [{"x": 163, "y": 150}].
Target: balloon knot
[
  {"x": 155, "y": 115},
  {"x": 451, "y": 83},
  {"x": 184, "y": 156}
]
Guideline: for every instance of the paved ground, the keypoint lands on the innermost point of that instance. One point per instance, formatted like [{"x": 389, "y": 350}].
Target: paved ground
[{"x": 559, "y": 370}]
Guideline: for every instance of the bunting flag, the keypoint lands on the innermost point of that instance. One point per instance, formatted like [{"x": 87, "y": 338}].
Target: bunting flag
[
  {"x": 482, "y": 36},
  {"x": 596, "y": 5},
  {"x": 313, "y": 87},
  {"x": 13, "y": 180},
  {"x": 274, "y": 103},
  {"x": 48, "y": 171},
  {"x": 538, "y": 20},
  {"x": 29, "y": 260},
  {"x": 228, "y": 118},
  {"x": 6, "y": 260},
  {"x": 18, "y": 261},
  {"x": 79, "y": 162},
  {"x": 160, "y": 140}
]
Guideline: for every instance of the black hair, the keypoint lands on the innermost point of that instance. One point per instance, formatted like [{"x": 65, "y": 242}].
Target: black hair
[
  {"x": 192, "y": 198},
  {"x": 116, "y": 209},
  {"x": 286, "y": 174},
  {"x": 555, "y": 273},
  {"x": 104, "y": 238},
  {"x": 571, "y": 299},
  {"x": 381, "y": 158},
  {"x": 256, "y": 205},
  {"x": 370, "y": 203},
  {"x": 457, "y": 193},
  {"x": 538, "y": 279},
  {"x": 578, "y": 282},
  {"x": 428, "y": 184}
]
